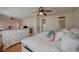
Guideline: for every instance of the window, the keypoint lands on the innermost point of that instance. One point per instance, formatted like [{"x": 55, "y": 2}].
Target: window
[{"x": 43, "y": 23}]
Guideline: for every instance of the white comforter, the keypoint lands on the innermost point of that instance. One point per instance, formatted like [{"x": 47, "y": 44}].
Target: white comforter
[{"x": 39, "y": 43}]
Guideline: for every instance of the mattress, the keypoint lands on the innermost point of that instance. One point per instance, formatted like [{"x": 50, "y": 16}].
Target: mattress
[{"x": 39, "y": 43}]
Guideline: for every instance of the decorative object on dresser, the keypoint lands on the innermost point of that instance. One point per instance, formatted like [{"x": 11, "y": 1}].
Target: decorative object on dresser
[{"x": 30, "y": 31}]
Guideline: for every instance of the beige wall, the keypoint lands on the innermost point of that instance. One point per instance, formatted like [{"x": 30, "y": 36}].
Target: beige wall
[
  {"x": 5, "y": 22},
  {"x": 52, "y": 21},
  {"x": 76, "y": 17},
  {"x": 31, "y": 22},
  {"x": 72, "y": 20},
  {"x": 16, "y": 23}
]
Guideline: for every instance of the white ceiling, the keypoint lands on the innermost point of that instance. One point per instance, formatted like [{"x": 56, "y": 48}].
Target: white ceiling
[{"x": 26, "y": 12}]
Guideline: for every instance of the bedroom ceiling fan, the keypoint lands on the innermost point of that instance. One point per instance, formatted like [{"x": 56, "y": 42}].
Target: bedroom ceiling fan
[{"x": 42, "y": 11}]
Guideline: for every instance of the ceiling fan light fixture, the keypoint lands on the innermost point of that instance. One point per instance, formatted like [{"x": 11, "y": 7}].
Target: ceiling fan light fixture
[{"x": 41, "y": 13}]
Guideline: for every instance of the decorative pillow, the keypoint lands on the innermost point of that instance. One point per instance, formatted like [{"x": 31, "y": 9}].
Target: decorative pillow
[
  {"x": 55, "y": 43},
  {"x": 52, "y": 38},
  {"x": 59, "y": 35},
  {"x": 50, "y": 33},
  {"x": 70, "y": 43}
]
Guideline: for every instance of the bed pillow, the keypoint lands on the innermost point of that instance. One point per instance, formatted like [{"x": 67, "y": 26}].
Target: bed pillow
[
  {"x": 50, "y": 33},
  {"x": 59, "y": 35},
  {"x": 75, "y": 31},
  {"x": 65, "y": 31},
  {"x": 70, "y": 43}
]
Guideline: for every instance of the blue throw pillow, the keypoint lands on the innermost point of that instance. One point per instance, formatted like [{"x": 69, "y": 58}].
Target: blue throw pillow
[{"x": 50, "y": 33}]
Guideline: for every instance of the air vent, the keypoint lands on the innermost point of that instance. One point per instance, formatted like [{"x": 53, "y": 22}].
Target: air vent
[{"x": 61, "y": 17}]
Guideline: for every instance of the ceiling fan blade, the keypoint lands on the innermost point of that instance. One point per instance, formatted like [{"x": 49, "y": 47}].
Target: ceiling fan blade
[
  {"x": 42, "y": 11},
  {"x": 48, "y": 11},
  {"x": 45, "y": 14}
]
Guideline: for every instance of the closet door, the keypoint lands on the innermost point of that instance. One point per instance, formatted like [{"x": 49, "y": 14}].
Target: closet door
[{"x": 62, "y": 24}]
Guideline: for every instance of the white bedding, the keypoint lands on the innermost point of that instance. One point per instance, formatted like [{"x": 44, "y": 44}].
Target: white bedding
[
  {"x": 39, "y": 43},
  {"x": 75, "y": 31}
]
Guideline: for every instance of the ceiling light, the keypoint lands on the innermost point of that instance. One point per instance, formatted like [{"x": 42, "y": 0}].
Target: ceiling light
[{"x": 41, "y": 13}]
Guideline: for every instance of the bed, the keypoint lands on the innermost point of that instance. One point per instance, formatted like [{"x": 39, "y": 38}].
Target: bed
[
  {"x": 65, "y": 41},
  {"x": 38, "y": 43}
]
